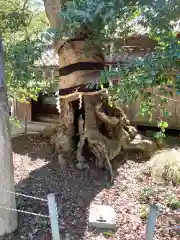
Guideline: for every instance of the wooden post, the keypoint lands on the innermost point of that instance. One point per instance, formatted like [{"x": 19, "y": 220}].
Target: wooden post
[
  {"x": 153, "y": 210},
  {"x": 53, "y": 216},
  {"x": 25, "y": 125},
  {"x": 14, "y": 105},
  {"x": 8, "y": 219}
]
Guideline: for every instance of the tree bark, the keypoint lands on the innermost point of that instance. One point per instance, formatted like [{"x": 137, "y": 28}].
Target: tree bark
[
  {"x": 82, "y": 112},
  {"x": 8, "y": 219},
  {"x": 85, "y": 115},
  {"x": 52, "y": 7}
]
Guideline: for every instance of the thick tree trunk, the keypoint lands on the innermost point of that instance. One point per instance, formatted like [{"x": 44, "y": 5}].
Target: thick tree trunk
[
  {"x": 86, "y": 118},
  {"x": 82, "y": 114},
  {"x": 8, "y": 219},
  {"x": 72, "y": 86}
]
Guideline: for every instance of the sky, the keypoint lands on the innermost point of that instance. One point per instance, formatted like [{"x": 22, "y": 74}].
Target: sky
[{"x": 37, "y": 4}]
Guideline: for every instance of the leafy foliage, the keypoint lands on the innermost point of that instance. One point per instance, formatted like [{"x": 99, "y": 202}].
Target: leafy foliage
[
  {"x": 14, "y": 123},
  {"x": 21, "y": 30},
  {"x": 108, "y": 20},
  {"x": 103, "y": 21}
]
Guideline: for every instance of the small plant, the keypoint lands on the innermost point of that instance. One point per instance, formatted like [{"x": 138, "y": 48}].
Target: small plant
[
  {"x": 173, "y": 202},
  {"x": 140, "y": 178},
  {"x": 14, "y": 123},
  {"x": 144, "y": 212},
  {"x": 146, "y": 194},
  {"x": 124, "y": 188},
  {"x": 108, "y": 234},
  {"x": 160, "y": 136},
  {"x": 165, "y": 165}
]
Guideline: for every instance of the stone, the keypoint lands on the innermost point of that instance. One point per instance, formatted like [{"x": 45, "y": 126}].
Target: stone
[
  {"x": 48, "y": 131},
  {"x": 61, "y": 160},
  {"x": 145, "y": 144},
  {"x": 102, "y": 217},
  {"x": 67, "y": 236},
  {"x": 82, "y": 166}
]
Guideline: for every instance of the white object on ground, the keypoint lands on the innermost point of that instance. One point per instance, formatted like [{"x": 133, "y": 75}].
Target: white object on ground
[{"x": 102, "y": 216}]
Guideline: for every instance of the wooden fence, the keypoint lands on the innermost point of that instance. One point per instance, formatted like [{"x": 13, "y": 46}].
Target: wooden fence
[{"x": 172, "y": 106}]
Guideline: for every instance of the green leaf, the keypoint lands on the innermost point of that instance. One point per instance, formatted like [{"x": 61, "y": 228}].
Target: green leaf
[
  {"x": 110, "y": 234},
  {"x": 163, "y": 124},
  {"x": 166, "y": 114}
]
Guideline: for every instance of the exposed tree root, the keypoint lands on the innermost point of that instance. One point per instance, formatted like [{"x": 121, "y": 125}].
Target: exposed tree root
[{"x": 106, "y": 130}]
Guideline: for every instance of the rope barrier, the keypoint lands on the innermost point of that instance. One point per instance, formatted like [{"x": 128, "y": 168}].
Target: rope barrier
[
  {"x": 25, "y": 212},
  {"x": 52, "y": 207},
  {"x": 24, "y": 195}
]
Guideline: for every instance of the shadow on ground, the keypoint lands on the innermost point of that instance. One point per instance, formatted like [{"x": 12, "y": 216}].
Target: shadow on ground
[
  {"x": 74, "y": 190},
  {"x": 33, "y": 146}
]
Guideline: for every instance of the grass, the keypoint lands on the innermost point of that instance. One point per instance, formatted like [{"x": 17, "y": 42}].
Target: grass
[
  {"x": 145, "y": 194},
  {"x": 165, "y": 165}
]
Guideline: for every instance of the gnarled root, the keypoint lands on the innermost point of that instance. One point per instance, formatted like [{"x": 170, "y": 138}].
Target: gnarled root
[
  {"x": 108, "y": 130},
  {"x": 115, "y": 121},
  {"x": 61, "y": 141},
  {"x": 79, "y": 157},
  {"x": 101, "y": 153}
]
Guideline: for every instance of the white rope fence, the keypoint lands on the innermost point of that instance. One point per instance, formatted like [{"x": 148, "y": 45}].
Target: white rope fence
[
  {"x": 24, "y": 195},
  {"x": 154, "y": 212},
  {"x": 52, "y": 207}
]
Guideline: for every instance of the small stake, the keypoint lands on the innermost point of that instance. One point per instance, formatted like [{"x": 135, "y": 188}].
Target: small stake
[
  {"x": 53, "y": 216},
  {"x": 25, "y": 125},
  {"x": 153, "y": 210}
]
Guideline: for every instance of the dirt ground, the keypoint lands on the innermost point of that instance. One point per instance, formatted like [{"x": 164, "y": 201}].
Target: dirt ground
[{"x": 37, "y": 173}]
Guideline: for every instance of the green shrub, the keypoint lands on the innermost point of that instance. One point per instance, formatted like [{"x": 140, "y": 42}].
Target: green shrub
[
  {"x": 146, "y": 194},
  {"x": 165, "y": 165},
  {"x": 173, "y": 202},
  {"x": 14, "y": 123}
]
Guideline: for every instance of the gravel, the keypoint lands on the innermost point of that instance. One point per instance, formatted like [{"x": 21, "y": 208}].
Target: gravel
[{"x": 38, "y": 173}]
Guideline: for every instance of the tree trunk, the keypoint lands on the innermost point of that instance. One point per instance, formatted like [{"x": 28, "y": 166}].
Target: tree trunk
[
  {"x": 52, "y": 7},
  {"x": 87, "y": 121},
  {"x": 86, "y": 118},
  {"x": 8, "y": 219}
]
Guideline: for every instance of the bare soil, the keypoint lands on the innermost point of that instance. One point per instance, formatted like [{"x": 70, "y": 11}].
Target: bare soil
[{"x": 37, "y": 173}]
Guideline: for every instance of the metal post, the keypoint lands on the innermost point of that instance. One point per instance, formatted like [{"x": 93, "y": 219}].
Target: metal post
[
  {"x": 53, "y": 216},
  {"x": 153, "y": 210},
  {"x": 25, "y": 125}
]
